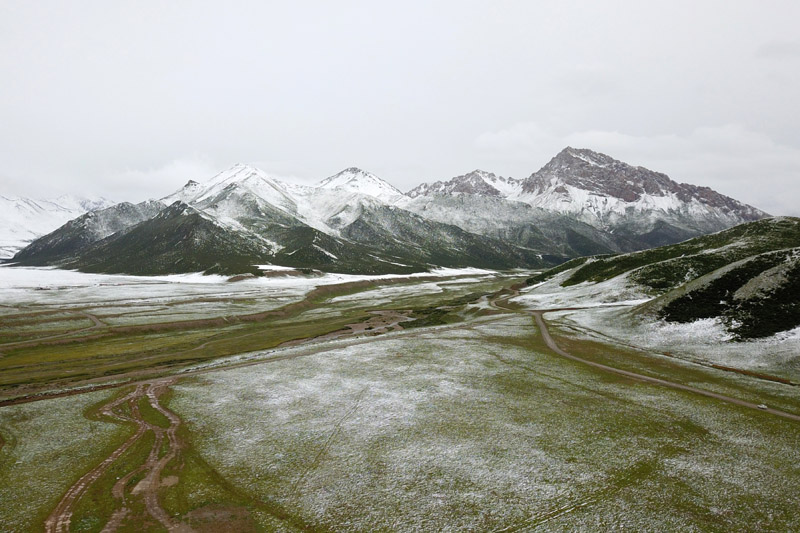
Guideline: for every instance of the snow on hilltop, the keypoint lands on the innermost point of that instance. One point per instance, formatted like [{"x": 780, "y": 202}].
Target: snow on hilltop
[
  {"x": 356, "y": 180},
  {"x": 596, "y": 187},
  {"x": 239, "y": 176},
  {"x": 581, "y": 202},
  {"x": 23, "y": 219},
  {"x": 476, "y": 182}
]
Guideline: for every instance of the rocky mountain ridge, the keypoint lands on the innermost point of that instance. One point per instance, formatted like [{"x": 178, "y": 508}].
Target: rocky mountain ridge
[{"x": 580, "y": 203}]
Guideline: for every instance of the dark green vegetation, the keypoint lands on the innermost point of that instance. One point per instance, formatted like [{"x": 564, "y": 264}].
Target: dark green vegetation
[
  {"x": 666, "y": 267},
  {"x": 442, "y": 313},
  {"x": 182, "y": 239},
  {"x": 748, "y": 276},
  {"x": 757, "y": 298}
]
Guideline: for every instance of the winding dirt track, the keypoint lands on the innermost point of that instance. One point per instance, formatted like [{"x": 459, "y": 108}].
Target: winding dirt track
[
  {"x": 548, "y": 339},
  {"x": 153, "y": 467},
  {"x": 513, "y": 291},
  {"x": 96, "y": 324},
  {"x": 59, "y": 520}
]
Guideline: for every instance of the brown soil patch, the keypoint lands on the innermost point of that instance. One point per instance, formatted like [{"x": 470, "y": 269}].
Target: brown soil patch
[{"x": 221, "y": 519}]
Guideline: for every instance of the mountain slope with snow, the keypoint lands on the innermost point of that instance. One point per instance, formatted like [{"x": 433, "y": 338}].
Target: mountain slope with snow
[
  {"x": 342, "y": 225},
  {"x": 580, "y": 203},
  {"x": 631, "y": 207},
  {"x": 515, "y": 222},
  {"x": 22, "y": 219},
  {"x": 360, "y": 181},
  {"x": 747, "y": 278},
  {"x": 477, "y": 182},
  {"x": 635, "y": 201},
  {"x": 72, "y": 239}
]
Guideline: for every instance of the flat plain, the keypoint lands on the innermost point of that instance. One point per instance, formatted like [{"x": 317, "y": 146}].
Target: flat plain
[{"x": 341, "y": 403}]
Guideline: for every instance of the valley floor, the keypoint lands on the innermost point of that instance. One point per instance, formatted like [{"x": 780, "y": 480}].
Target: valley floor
[{"x": 431, "y": 403}]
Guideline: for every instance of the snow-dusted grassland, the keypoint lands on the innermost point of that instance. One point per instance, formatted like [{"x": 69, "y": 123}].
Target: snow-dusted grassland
[
  {"x": 62, "y": 328},
  {"x": 478, "y": 427},
  {"x": 121, "y": 299},
  {"x": 609, "y": 316},
  {"x": 470, "y": 426},
  {"x": 48, "y": 445}
]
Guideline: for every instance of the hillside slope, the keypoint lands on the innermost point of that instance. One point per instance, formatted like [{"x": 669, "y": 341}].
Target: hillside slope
[
  {"x": 746, "y": 277},
  {"x": 22, "y": 220}
]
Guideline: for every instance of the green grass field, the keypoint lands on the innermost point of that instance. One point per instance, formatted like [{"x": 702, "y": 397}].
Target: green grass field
[{"x": 464, "y": 421}]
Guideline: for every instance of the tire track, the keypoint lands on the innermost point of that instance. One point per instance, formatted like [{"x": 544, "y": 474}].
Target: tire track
[
  {"x": 548, "y": 339},
  {"x": 60, "y": 518}
]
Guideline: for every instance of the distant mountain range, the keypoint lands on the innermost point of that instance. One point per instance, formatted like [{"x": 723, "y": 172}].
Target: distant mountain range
[
  {"x": 22, "y": 219},
  {"x": 580, "y": 203}
]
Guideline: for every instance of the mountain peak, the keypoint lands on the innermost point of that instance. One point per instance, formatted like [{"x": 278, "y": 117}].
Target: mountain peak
[
  {"x": 479, "y": 182},
  {"x": 357, "y": 180},
  {"x": 593, "y": 184},
  {"x": 583, "y": 157},
  {"x": 238, "y": 172},
  {"x": 81, "y": 203}
]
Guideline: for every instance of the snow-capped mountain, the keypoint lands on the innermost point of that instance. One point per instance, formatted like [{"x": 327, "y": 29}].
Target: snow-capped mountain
[
  {"x": 580, "y": 203},
  {"x": 636, "y": 207},
  {"x": 608, "y": 193},
  {"x": 360, "y": 181},
  {"x": 79, "y": 233},
  {"x": 23, "y": 219},
  {"x": 239, "y": 176},
  {"x": 476, "y": 182},
  {"x": 343, "y": 224}
]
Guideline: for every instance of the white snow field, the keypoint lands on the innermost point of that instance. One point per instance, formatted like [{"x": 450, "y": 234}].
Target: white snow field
[
  {"x": 23, "y": 219},
  {"x": 179, "y": 296}
]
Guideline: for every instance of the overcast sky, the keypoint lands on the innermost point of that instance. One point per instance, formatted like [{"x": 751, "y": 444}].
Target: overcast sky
[{"x": 131, "y": 99}]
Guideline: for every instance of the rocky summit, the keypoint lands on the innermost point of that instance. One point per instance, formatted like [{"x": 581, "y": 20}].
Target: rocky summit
[{"x": 580, "y": 203}]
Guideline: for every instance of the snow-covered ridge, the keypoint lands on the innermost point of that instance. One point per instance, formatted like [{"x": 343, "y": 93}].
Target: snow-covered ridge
[
  {"x": 476, "y": 182},
  {"x": 360, "y": 181},
  {"x": 580, "y": 196},
  {"x": 595, "y": 185},
  {"x": 591, "y": 187},
  {"x": 598, "y": 190},
  {"x": 24, "y": 219}
]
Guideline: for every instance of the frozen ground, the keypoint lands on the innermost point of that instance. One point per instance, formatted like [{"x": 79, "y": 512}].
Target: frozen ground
[
  {"x": 703, "y": 341},
  {"x": 48, "y": 444},
  {"x": 473, "y": 428},
  {"x": 120, "y": 299}
]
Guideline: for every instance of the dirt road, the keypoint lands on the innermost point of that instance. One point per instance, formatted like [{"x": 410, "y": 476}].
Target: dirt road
[
  {"x": 548, "y": 339},
  {"x": 501, "y": 302},
  {"x": 61, "y": 517}
]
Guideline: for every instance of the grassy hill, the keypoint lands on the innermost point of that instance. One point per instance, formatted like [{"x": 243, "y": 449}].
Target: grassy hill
[{"x": 747, "y": 276}]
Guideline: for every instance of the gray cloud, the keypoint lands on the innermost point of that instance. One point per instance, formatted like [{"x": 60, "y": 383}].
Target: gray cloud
[
  {"x": 779, "y": 50},
  {"x": 131, "y": 99}
]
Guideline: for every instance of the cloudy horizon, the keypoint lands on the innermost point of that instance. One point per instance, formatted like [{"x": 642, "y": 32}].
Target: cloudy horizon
[{"x": 130, "y": 100}]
